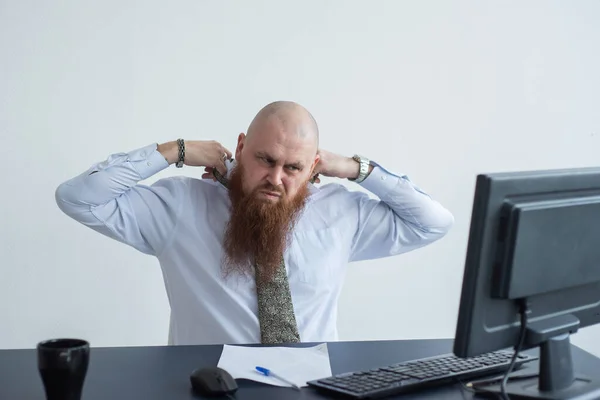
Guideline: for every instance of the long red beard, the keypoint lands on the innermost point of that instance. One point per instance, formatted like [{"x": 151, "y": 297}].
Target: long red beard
[{"x": 258, "y": 231}]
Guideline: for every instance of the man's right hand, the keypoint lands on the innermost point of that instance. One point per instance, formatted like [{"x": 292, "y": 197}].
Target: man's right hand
[{"x": 198, "y": 153}]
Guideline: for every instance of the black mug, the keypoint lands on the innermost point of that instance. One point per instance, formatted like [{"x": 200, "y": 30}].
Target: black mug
[{"x": 63, "y": 365}]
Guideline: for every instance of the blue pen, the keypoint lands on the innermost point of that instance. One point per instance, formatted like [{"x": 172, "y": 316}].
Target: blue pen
[{"x": 267, "y": 372}]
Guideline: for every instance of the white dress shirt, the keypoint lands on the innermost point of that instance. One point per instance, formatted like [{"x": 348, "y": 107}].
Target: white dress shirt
[{"x": 181, "y": 221}]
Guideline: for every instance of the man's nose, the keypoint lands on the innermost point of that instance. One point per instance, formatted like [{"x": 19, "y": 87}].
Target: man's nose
[{"x": 275, "y": 175}]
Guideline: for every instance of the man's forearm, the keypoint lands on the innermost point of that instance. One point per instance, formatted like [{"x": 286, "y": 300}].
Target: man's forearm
[
  {"x": 402, "y": 219},
  {"x": 408, "y": 202},
  {"x": 351, "y": 169},
  {"x": 108, "y": 179},
  {"x": 170, "y": 151},
  {"x": 108, "y": 199},
  {"x": 338, "y": 166}
]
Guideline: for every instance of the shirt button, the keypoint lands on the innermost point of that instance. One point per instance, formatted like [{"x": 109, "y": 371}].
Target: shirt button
[
  {"x": 149, "y": 163},
  {"x": 383, "y": 178}
]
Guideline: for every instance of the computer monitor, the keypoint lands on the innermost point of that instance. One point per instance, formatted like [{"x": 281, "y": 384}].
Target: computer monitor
[{"x": 534, "y": 246}]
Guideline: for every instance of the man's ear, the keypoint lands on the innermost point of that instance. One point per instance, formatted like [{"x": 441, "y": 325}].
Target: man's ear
[
  {"x": 240, "y": 145},
  {"x": 313, "y": 167},
  {"x": 315, "y": 163}
]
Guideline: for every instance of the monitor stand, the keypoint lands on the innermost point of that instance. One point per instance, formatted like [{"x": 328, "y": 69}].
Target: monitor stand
[{"x": 556, "y": 380}]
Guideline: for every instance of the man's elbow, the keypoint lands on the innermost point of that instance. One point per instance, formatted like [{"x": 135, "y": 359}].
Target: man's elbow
[
  {"x": 66, "y": 200},
  {"x": 447, "y": 222},
  {"x": 442, "y": 225}
]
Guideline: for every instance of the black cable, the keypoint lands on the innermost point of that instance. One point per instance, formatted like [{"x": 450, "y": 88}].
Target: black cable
[
  {"x": 477, "y": 390},
  {"x": 523, "y": 309}
]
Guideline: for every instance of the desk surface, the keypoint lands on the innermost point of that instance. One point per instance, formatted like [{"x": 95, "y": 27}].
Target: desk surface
[{"x": 162, "y": 372}]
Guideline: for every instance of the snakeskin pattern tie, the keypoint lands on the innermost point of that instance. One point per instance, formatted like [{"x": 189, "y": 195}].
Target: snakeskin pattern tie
[{"x": 275, "y": 309}]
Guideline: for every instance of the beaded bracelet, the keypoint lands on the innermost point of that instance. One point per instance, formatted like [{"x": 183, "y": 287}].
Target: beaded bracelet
[{"x": 181, "y": 153}]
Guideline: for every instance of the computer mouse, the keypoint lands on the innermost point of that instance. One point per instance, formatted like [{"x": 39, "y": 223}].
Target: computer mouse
[{"x": 212, "y": 382}]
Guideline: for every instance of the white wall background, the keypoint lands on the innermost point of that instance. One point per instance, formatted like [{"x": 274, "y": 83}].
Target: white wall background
[{"x": 441, "y": 90}]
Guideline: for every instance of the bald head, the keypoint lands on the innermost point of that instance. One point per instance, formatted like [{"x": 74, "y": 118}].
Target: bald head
[
  {"x": 280, "y": 150},
  {"x": 290, "y": 118}
]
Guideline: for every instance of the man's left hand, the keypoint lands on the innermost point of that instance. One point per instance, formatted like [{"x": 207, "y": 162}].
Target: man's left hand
[{"x": 336, "y": 166}]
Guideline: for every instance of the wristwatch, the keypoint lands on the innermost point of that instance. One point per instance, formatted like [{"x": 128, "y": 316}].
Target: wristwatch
[{"x": 364, "y": 168}]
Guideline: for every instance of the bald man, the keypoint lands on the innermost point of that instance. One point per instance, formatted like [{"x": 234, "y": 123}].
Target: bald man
[{"x": 254, "y": 251}]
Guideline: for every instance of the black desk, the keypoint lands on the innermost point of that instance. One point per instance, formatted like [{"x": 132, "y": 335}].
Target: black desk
[{"x": 152, "y": 373}]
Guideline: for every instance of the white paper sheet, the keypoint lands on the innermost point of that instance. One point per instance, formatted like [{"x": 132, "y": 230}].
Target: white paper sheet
[{"x": 298, "y": 364}]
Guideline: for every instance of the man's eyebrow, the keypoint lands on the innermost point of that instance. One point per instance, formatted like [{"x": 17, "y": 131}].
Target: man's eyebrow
[
  {"x": 298, "y": 165},
  {"x": 262, "y": 154}
]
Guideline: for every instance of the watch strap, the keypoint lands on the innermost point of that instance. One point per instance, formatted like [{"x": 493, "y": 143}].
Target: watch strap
[{"x": 363, "y": 169}]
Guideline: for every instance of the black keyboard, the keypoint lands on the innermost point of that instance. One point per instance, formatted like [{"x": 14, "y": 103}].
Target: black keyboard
[{"x": 418, "y": 374}]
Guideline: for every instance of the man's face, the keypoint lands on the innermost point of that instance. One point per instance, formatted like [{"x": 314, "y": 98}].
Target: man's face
[
  {"x": 276, "y": 163},
  {"x": 268, "y": 190}
]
